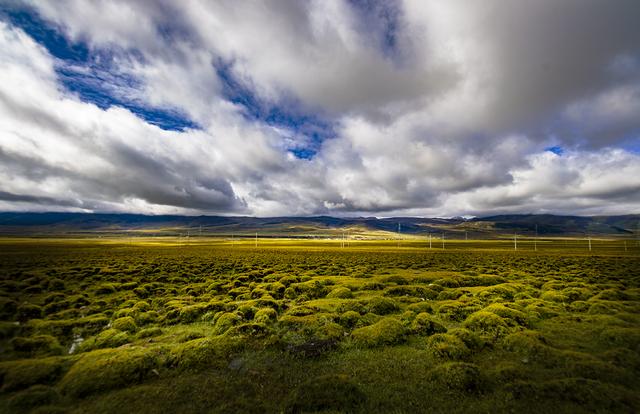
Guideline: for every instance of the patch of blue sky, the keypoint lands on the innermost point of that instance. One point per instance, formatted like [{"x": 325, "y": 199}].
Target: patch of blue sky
[
  {"x": 308, "y": 129},
  {"x": 556, "y": 149},
  {"x": 89, "y": 73},
  {"x": 631, "y": 142}
]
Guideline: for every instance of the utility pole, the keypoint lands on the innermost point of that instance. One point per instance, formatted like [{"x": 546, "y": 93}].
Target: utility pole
[
  {"x": 429, "y": 240},
  {"x": 443, "y": 240},
  {"x": 398, "y": 236},
  {"x": 256, "y": 239},
  {"x": 515, "y": 241},
  {"x": 589, "y": 243}
]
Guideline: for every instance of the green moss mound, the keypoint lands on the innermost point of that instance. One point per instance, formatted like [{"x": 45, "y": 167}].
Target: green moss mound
[
  {"x": 109, "y": 338},
  {"x": 205, "y": 352},
  {"x": 487, "y": 324},
  {"x": 387, "y": 331},
  {"x": 447, "y": 346},
  {"x": 226, "y": 321},
  {"x": 28, "y": 311},
  {"x": 457, "y": 310},
  {"x": 349, "y": 319},
  {"x": 412, "y": 291},
  {"x": 126, "y": 323},
  {"x": 457, "y": 377},
  {"x": 382, "y": 306},
  {"x": 150, "y": 332},
  {"x": 425, "y": 324},
  {"x": 555, "y": 296},
  {"x": 36, "y": 345},
  {"x": 109, "y": 369},
  {"x": 513, "y": 317},
  {"x": 25, "y": 373},
  {"x": 340, "y": 293},
  {"x": 334, "y": 393},
  {"x": 527, "y": 343},
  {"x": 38, "y": 395},
  {"x": 320, "y": 325},
  {"x": 471, "y": 339},
  {"x": 312, "y": 289},
  {"x": 265, "y": 315}
]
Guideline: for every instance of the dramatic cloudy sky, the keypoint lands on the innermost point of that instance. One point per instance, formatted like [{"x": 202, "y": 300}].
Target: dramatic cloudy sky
[{"x": 295, "y": 107}]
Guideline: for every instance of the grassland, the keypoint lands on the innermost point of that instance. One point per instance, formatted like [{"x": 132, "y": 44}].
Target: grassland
[{"x": 221, "y": 326}]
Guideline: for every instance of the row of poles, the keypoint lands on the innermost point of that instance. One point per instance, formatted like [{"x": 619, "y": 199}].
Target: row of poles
[{"x": 345, "y": 239}]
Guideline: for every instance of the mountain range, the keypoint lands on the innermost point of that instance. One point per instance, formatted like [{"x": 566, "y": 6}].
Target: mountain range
[{"x": 74, "y": 224}]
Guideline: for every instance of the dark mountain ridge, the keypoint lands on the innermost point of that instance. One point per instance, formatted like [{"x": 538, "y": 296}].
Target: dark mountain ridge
[{"x": 54, "y": 223}]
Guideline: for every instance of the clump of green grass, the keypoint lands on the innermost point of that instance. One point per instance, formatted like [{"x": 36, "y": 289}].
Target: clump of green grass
[
  {"x": 425, "y": 324},
  {"x": 312, "y": 289},
  {"x": 205, "y": 352},
  {"x": 38, "y": 395},
  {"x": 447, "y": 346},
  {"x": 349, "y": 319},
  {"x": 387, "y": 331},
  {"x": 8, "y": 330},
  {"x": 340, "y": 293},
  {"x": 457, "y": 310},
  {"x": 612, "y": 295},
  {"x": 487, "y": 324},
  {"x": 27, "y": 311},
  {"x": 106, "y": 288},
  {"x": 531, "y": 344},
  {"x": 409, "y": 290},
  {"x": 109, "y": 338},
  {"x": 555, "y": 296},
  {"x": 540, "y": 309},
  {"x": 37, "y": 345},
  {"x": 502, "y": 292},
  {"x": 481, "y": 280},
  {"x": 66, "y": 328},
  {"x": 226, "y": 320},
  {"x": 327, "y": 393},
  {"x": 472, "y": 340},
  {"x": 604, "y": 307},
  {"x": 319, "y": 325},
  {"x": 25, "y": 373},
  {"x": 512, "y": 316},
  {"x": 381, "y": 306},
  {"x": 150, "y": 332},
  {"x": 265, "y": 315},
  {"x": 455, "y": 377},
  {"x": 126, "y": 323},
  {"x": 420, "y": 307},
  {"x": 108, "y": 369}
]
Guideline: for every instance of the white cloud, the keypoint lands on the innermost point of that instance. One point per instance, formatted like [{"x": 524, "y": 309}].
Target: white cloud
[{"x": 451, "y": 117}]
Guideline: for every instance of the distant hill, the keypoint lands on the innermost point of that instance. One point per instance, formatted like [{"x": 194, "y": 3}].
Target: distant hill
[{"x": 44, "y": 224}]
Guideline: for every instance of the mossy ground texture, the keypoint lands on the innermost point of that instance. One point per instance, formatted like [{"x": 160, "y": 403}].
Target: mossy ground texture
[{"x": 293, "y": 327}]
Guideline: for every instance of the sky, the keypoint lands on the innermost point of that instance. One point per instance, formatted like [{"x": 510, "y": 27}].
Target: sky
[{"x": 320, "y": 107}]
